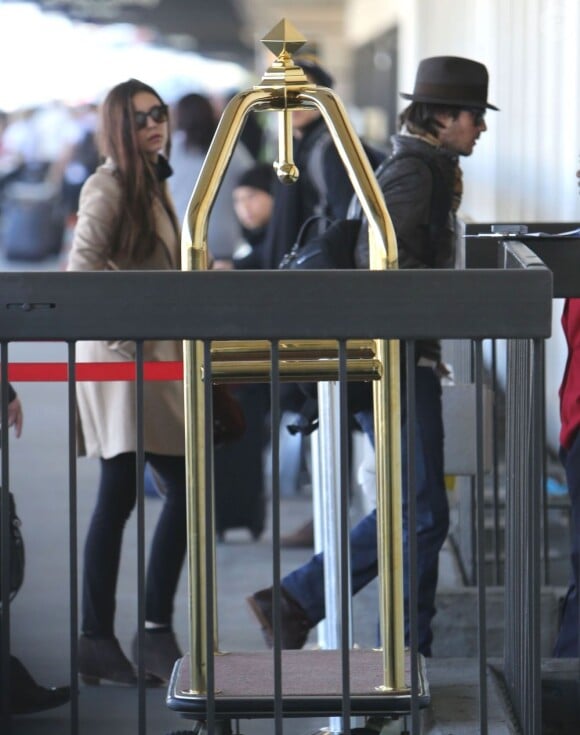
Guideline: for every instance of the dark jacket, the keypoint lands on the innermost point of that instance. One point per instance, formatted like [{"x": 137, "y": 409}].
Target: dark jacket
[
  {"x": 322, "y": 188},
  {"x": 252, "y": 260},
  {"x": 417, "y": 183}
]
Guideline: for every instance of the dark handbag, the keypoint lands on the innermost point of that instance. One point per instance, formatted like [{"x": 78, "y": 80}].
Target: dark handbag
[
  {"x": 16, "y": 543},
  {"x": 332, "y": 248},
  {"x": 229, "y": 422}
]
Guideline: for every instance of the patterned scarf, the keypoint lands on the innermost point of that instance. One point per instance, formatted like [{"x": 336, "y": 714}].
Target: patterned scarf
[{"x": 457, "y": 193}]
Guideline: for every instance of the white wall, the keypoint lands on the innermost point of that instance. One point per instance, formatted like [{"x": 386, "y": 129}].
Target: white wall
[
  {"x": 525, "y": 164},
  {"x": 523, "y": 168}
]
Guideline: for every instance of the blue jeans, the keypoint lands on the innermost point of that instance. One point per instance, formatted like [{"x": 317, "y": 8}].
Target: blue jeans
[
  {"x": 306, "y": 584},
  {"x": 567, "y": 641}
]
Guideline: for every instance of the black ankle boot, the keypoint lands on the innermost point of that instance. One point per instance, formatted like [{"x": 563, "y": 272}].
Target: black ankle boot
[
  {"x": 160, "y": 652},
  {"x": 102, "y": 660}
]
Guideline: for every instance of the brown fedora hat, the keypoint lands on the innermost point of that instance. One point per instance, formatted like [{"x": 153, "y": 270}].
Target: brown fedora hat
[{"x": 451, "y": 80}]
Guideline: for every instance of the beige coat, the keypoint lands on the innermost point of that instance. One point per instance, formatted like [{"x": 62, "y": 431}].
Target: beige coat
[{"x": 107, "y": 410}]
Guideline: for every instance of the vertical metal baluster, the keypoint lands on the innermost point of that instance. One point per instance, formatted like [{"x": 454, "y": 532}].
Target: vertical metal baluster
[
  {"x": 481, "y": 590},
  {"x": 5, "y": 718},
  {"x": 140, "y": 489},
  {"x": 412, "y": 611},
  {"x": 510, "y": 603},
  {"x": 495, "y": 466},
  {"x": 210, "y": 574},
  {"x": 541, "y": 399},
  {"x": 537, "y": 484},
  {"x": 73, "y": 538},
  {"x": 523, "y": 490},
  {"x": 344, "y": 546},
  {"x": 275, "y": 422}
]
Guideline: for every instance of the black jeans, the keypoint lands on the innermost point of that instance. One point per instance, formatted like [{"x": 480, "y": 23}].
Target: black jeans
[{"x": 116, "y": 499}]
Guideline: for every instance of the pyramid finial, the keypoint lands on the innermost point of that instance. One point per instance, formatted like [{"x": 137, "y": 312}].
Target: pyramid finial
[{"x": 284, "y": 38}]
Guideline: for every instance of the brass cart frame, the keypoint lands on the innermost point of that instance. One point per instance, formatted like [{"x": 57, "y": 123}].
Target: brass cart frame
[{"x": 283, "y": 88}]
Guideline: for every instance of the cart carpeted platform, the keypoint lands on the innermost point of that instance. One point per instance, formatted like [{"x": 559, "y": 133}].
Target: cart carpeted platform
[{"x": 311, "y": 685}]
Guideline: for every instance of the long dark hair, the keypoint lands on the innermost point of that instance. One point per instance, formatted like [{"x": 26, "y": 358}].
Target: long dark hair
[
  {"x": 421, "y": 117},
  {"x": 195, "y": 116},
  {"x": 137, "y": 237}
]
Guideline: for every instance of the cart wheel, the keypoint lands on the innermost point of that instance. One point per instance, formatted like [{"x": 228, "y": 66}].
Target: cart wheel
[{"x": 222, "y": 727}]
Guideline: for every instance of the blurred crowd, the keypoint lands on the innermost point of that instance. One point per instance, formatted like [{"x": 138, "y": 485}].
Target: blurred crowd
[{"x": 48, "y": 152}]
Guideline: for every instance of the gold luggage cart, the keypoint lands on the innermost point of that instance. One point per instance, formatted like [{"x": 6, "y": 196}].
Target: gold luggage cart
[{"x": 209, "y": 685}]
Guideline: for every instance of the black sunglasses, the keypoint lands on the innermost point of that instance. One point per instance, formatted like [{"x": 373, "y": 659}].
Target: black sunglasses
[
  {"x": 158, "y": 114},
  {"x": 478, "y": 115}
]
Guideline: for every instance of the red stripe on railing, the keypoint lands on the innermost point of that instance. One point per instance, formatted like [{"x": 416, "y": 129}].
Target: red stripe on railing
[{"x": 27, "y": 372}]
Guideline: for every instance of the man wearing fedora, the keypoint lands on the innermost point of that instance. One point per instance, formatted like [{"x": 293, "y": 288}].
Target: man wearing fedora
[{"x": 422, "y": 185}]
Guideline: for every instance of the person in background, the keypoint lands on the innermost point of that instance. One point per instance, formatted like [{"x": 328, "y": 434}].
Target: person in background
[
  {"x": 127, "y": 221},
  {"x": 422, "y": 186},
  {"x": 78, "y": 161},
  {"x": 37, "y": 138},
  {"x": 323, "y": 188},
  {"x": 26, "y": 695},
  {"x": 196, "y": 124},
  {"x": 238, "y": 468},
  {"x": 253, "y": 202},
  {"x": 566, "y": 645}
]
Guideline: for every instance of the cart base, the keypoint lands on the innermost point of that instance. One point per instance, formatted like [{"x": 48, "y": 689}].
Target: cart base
[{"x": 311, "y": 685}]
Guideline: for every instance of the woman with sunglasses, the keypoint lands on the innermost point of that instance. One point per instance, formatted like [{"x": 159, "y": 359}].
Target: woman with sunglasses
[{"x": 126, "y": 221}]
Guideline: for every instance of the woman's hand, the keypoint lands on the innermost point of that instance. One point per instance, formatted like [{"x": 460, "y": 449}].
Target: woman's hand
[{"x": 15, "y": 416}]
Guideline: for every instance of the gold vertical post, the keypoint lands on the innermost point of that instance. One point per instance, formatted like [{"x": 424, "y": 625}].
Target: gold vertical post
[{"x": 194, "y": 256}]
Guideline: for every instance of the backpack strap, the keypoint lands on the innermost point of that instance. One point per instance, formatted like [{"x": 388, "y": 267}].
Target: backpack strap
[{"x": 315, "y": 169}]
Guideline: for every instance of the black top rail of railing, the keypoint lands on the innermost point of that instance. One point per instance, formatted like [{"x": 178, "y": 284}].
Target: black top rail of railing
[{"x": 406, "y": 304}]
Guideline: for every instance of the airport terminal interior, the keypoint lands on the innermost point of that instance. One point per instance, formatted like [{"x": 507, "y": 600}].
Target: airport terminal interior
[{"x": 505, "y": 564}]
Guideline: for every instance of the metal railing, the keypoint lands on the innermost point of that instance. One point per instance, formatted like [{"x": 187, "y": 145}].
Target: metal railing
[{"x": 271, "y": 306}]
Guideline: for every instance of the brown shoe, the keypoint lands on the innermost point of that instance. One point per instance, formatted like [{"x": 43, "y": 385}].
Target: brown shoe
[
  {"x": 293, "y": 620},
  {"x": 301, "y": 538}
]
